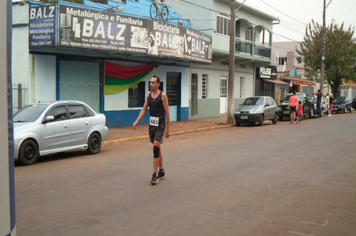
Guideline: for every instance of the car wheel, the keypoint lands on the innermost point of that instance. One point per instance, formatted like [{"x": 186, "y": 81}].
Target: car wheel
[
  {"x": 28, "y": 153},
  {"x": 274, "y": 121},
  {"x": 238, "y": 123},
  {"x": 94, "y": 143},
  {"x": 260, "y": 123}
]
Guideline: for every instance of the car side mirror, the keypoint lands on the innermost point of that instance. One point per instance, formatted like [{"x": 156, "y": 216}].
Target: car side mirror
[{"x": 48, "y": 119}]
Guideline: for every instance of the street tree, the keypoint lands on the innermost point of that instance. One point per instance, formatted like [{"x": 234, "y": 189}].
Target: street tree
[{"x": 340, "y": 53}]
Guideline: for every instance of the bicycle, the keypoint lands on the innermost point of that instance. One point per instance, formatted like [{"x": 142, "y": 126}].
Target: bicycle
[{"x": 159, "y": 11}]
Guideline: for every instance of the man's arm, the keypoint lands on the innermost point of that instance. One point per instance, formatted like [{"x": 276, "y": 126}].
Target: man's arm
[
  {"x": 166, "y": 110},
  {"x": 142, "y": 112}
]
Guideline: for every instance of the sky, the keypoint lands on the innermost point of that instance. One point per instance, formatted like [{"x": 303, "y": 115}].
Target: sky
[{"x": 296, "y": 14}]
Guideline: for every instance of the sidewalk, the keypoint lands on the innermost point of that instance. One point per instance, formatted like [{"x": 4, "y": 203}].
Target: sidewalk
[{"x": 123, "y": 134}]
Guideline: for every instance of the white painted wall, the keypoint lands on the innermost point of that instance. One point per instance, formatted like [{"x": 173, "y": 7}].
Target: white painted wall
[
  {"x": 216, "y": 71},
  {"x": 280, "y": 49},
  {"x": 120, "y": 101}
]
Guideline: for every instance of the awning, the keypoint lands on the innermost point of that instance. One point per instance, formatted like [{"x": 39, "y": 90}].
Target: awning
[
  {"x": 298, "y": 81},
  {"x": 274, "y": 81}
]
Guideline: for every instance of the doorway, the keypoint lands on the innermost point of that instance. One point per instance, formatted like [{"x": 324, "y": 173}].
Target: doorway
[
  {"x": 194, "y": 95},
  {"x": 223, "y": 94}
]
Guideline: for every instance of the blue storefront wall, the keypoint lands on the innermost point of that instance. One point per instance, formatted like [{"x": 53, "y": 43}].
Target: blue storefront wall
[{"x": 127, "y": 117}]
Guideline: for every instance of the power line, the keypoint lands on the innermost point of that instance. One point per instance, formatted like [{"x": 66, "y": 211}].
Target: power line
[
  {"x": 282, "y": 12},
  {"x": 291, "y": 29}
]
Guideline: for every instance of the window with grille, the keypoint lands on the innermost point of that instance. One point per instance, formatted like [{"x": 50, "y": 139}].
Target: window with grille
[
  {"x": 204, "y": 84},
  {"x": 223, "y": 25},
  {"x": 137, "y": 95},
  {"x": 223, "y": 87},
  {"x": 242, "y": 85}
]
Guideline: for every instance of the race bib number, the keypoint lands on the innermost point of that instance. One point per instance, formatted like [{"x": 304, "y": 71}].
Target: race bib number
[{"x": 154, "y": 121}]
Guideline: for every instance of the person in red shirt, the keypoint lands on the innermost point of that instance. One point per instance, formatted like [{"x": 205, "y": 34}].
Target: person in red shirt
[
  {"x": 300, "y": 112},
  {"x": 293, "y": 103}
]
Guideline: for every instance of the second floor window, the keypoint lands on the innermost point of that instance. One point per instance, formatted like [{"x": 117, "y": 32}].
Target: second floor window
[
  {"x": 299, "y": 59},
  {"x": 282, "y": 60},
  {"x": 223, "y": 25},
  {"x": 248, "y": 34}
]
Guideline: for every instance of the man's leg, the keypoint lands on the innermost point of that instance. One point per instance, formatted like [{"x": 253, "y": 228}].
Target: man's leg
[
  {"x": 156, "y": 160},
  {"x": 160, "y": 163}
]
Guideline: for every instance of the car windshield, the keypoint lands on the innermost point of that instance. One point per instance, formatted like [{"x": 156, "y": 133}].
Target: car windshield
[
  {"x": 286, "y": 98},
  {"x": 253, "y": 101},
  {"x": 339, "y": 100},
  {"x": 29, "y": 113}
]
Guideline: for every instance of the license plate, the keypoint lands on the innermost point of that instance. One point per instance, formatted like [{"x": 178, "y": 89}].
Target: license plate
[
  {"x": 286, "y": 112},
  {"x": 244, "y": 117},
  {"x": 334, "y": 109}
]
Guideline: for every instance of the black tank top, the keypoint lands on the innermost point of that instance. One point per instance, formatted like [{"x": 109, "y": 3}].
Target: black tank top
[{"x": 156, "y": 107}]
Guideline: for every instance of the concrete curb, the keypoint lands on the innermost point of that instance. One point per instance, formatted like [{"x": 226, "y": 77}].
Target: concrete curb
[{"x": 137, "y": 137}]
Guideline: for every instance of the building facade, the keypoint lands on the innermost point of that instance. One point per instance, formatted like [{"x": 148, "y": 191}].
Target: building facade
[{"x": 60, "y": 52}]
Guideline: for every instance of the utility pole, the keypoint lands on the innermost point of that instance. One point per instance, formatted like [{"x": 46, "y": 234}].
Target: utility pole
[
  {"x": 323, "y": 51},
  {"x": 230, "y": 84}
]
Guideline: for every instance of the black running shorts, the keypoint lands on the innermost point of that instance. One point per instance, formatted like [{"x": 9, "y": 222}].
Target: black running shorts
[
  {"x": 293, "y": 108},
  {"x": 156, "y": 133}
]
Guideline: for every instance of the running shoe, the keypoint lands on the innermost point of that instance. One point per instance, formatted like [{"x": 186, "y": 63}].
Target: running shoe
[
  {"x": 161, "y": 174},
  {"x": 154, "y": 179}
]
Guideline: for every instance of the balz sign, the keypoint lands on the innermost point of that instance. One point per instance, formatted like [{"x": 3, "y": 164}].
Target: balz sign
[
  {"x": 42, "y": 24},
  {"x": 85, "y": 28}
]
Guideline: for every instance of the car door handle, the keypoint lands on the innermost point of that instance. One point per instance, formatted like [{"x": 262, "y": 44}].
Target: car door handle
[
  {"x": 66, "y": 126},
  {"x": 86, "y": 123}
]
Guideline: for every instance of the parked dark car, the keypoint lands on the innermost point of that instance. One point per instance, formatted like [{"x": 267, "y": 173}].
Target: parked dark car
[
  {"x": 354, "y": 103},
  {"x": 342, "y": 104},
  {"x": 256, "y": 109},
  {"x": 307, "y": 103}
]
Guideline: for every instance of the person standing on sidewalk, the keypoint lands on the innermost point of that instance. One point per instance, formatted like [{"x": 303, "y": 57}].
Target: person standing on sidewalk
[
  {"x": 327, "y": 98},
  {"x": 331, "y": 100},
  {"x": 157, "y": 101},
  {"x": 319, "y": 95},
  {"x": 293, "y": 103}
]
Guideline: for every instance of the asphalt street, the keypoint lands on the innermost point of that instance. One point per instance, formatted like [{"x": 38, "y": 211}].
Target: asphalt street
[{"x": 283, "y": 179}]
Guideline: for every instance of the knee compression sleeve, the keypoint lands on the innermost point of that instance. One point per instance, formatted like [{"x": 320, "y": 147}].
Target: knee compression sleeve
[{"x": 155, "y": 152}]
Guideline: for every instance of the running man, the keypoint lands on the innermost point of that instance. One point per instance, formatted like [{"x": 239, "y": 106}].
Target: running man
[{"x": 157, "y": 101}]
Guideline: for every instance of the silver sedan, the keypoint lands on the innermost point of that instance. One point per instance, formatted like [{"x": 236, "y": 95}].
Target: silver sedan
[
  {"x": 256, "y": 109},
  {"x": 52, "y": 127}
]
